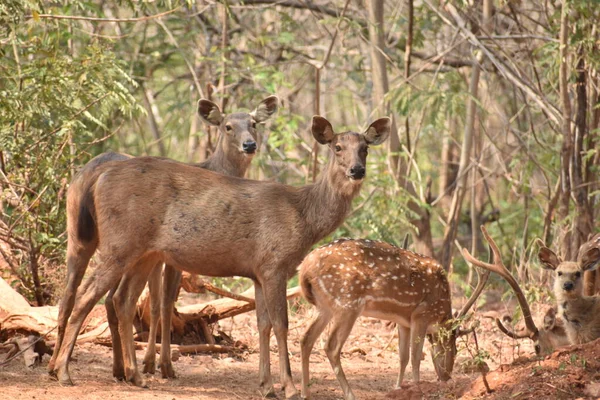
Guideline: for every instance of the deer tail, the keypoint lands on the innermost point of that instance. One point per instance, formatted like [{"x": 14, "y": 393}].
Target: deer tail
[{"x": 307, "y": 288}]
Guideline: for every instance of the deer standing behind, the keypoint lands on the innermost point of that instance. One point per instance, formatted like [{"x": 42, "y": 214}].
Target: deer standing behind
[
  {"x": 349, "y": 278},
  {"x": 233, "y": 154},
  {"x": 580, "y": 313},
  {"x": 545, "y": 340},
  {"x": 150, "y": 210}
]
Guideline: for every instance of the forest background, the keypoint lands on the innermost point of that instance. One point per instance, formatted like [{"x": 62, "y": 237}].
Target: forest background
[{"x": 495, "y": 108}]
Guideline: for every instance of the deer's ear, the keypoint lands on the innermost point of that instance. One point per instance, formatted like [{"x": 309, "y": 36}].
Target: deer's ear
[
  {"x": 548, "y": 259},
  {"x": 322, "y": 130},
  {"x": 378, "y": 131},
  {"x": 210, "y": 112},
  {"x": 265, "y": 109},
  {"x": 550, "y": 319},
  {"x": 590, "y": 260}
]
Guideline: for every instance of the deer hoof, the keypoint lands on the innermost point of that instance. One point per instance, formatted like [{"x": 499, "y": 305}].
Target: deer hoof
[
  {"x": 167, "y": 371},
  {"x": 119, "y": 373},
  {"x": 138, "y": 381},
  {"x": 149, "y": 367},
  {"x": 65, "y": 380},
  {"x": 267, "y": 392}
]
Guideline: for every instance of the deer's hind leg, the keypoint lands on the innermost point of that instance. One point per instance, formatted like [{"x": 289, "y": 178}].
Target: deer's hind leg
[
  {"x": 403, "y": 351},
  {"x": 78, "y": 258},
  {"x": 307, "y": 343},
  {"x": 340, "y": 330},
  {"x": 124, "y": 300}
]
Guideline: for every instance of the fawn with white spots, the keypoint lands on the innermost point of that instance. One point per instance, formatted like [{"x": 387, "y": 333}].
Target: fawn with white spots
[{"x": 349, "y": 278}]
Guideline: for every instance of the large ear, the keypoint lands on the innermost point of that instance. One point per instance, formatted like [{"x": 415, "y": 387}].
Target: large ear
[
  {"x": 548, "y": 258},
  {"x": 265, "y": 109},
  {"x": 210, "y": 112},
  {"x": 590, "y": 260},
  {"x": 322, "y": 130},
  {"x": 378, "y": 131}
]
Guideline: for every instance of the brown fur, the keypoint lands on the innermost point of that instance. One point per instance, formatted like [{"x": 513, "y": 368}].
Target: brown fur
[
  {"x": 580, "y": 313},
  {"x": 349, "y": 278},
  {"x": 229, "y": 157},
  {"x": 214, "y": 225}
]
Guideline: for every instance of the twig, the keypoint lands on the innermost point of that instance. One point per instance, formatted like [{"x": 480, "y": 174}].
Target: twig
[{"x": 77, "y": 17}]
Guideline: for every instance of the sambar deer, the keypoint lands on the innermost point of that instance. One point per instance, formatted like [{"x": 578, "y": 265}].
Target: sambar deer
[
  {"x": 546, "y": 339},
  {"x": 148, "y": 210},
  {"x": 349, "y": 278},
  {"x": 580, "y": 313},
  {"x": 233, "y": 154}
]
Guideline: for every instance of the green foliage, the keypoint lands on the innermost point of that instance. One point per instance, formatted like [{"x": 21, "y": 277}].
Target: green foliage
[{"x": 55, "y": 103}]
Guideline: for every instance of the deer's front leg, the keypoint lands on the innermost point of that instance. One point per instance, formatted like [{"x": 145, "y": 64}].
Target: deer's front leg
[
  {"x": 264, "y": 335},
  {"x": 154, "y": 287},
  {"x": 113, "y": 324},
  {"x": 276, "y": 302}
]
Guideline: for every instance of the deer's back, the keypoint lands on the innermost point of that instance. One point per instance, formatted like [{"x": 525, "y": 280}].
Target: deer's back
[{"x": 196, "y": 219}]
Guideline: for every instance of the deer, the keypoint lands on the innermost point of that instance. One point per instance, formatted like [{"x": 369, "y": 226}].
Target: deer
[
  {"x": 148, "y": 210},
  {"x": 546, "y": 339},
  {"x": 233, "y": 154},
  {"x": 580, "y": 313},
  {"x": 352, "y": 277}
]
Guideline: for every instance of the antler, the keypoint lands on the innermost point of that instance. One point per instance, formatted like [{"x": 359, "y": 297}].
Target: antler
[
  {"x": 511, "y": 333},
  {"x": 499, "y": 268},
  {"x": 483, "y": 278}
]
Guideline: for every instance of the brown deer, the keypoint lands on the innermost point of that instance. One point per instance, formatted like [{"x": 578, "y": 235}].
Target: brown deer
[
  {"x": 349, "y": 278},
  {"x": 545, "y": 340},
  {"x": 148, "y": 210},
  {"x": 551, "y": 335},
  {"x": 579, "y": 312},
  {"x": 233, "y": 154}
]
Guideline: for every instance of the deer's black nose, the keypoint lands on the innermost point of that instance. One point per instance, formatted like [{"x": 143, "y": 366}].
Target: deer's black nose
[
  {"x": 249, "y": 146},
  {"x": 568, "y": 286},
  {"x": 357, "y": 171}
]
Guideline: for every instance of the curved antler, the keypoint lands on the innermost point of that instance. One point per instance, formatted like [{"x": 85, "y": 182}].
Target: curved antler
[
  {"x": 483, "y": 278},
  {"x": 499, "y": 268},
  {"x": 510, "y": 333}
]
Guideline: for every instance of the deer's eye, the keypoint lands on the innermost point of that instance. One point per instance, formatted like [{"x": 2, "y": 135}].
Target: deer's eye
[
  {"x": 338, "y": 148},
  {"x": 577, "y": 274},
  {"x": 559, "y": 273},
  {"x": 253, "y": 124},
  {"x": 537, "y": 349},
  {"x": 228, "y": 128}
]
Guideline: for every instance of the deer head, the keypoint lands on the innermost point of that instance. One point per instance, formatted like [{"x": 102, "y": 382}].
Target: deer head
[
  {"x": 238, "y": 130},
  {"x": 351, "y": 149},
  {"x": 568, "y": 275}
]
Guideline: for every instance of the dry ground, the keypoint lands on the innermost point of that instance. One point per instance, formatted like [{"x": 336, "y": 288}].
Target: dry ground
[{"x": 370, "y": 361}]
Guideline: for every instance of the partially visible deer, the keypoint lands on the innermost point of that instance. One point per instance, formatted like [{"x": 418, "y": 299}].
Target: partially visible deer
[
  {"x": 233, "y": 154},
  {"x": 349, "y": 278},
  {"x": 581, "y": 313},
  {"x": 551, "y": 335},
  {"x": 148, "y": 210},
  {"x": 545, "y": 340}
]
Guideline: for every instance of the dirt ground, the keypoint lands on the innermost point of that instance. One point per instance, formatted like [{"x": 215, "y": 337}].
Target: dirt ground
[{"x": 369, "y": 359}]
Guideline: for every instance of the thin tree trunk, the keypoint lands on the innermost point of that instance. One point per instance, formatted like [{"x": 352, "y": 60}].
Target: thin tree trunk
[
  {"x": 467, "y": 144},
  {"x": 567, "y": 146},
  {"x": 153, "y": 118}
]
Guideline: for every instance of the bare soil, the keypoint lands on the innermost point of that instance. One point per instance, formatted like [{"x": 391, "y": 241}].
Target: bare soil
[{"x": 369, "y": 359}]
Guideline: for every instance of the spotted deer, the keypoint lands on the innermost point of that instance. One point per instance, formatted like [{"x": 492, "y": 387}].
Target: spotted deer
[
  {"x": 149, "y": 210},
  {"x": 580, "y": 313},
  {"x": 546, "y": 339},
  {"x": 233, "y": 154},
  {"x": 349, "y": 278}
]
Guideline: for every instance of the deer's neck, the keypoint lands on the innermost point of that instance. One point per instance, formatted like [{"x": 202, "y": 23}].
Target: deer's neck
[
  {"x": 227, "y": 161},
  {"x": 325, "y": 204}
]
